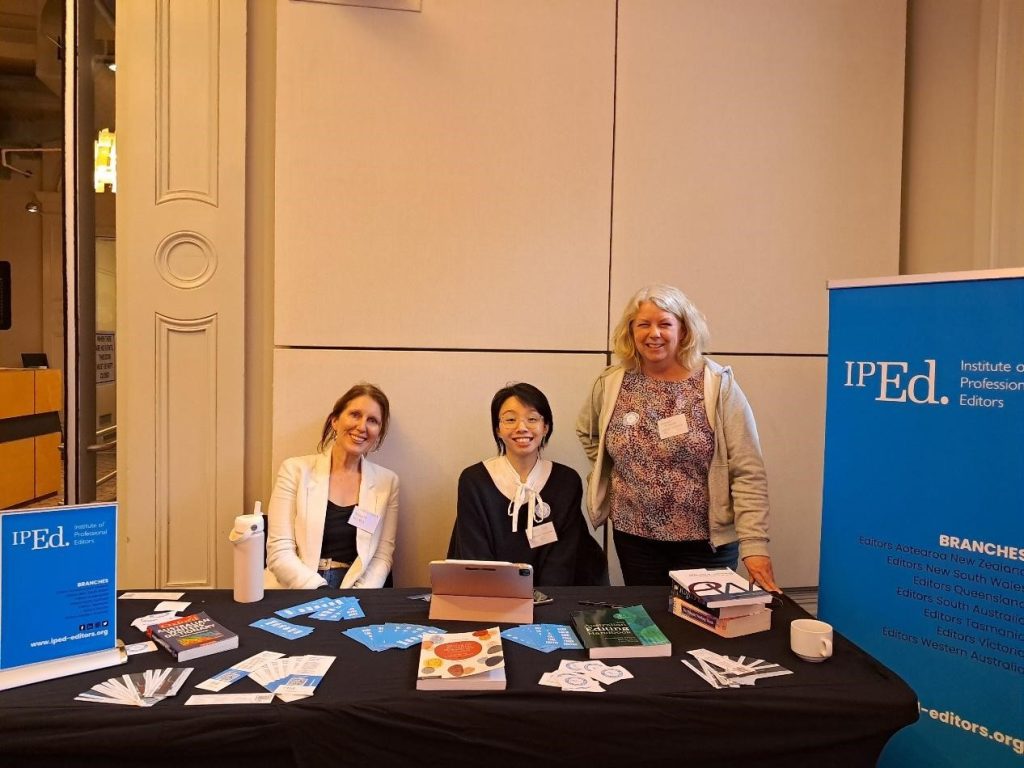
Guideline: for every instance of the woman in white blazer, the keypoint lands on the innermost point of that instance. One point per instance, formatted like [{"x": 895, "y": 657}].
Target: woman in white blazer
[{"x": 334, "y": 514}]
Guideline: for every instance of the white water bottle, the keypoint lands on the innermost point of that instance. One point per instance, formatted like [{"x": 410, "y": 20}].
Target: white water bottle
[{"x": 247, "y": 536}]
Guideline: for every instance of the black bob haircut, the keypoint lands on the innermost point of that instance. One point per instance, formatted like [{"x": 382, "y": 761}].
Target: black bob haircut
[{"x": 530, "y": 396}]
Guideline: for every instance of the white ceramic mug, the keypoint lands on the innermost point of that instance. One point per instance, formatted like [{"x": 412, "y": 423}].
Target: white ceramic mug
[{"x": 811, "y": 639}]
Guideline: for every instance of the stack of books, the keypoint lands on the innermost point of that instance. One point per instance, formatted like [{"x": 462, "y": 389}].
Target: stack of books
[{"x": 721, "y": 601}]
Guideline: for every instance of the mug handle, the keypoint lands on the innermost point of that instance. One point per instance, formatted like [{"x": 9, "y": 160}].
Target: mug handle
[{"x": 826, "y": 647}]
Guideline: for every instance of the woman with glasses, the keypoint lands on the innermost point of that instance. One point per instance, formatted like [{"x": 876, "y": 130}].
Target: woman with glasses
[
  {"x": 520, "y": 507},
  {"x": 334, "y": 514},
  {"x": 677, "y": 462}
]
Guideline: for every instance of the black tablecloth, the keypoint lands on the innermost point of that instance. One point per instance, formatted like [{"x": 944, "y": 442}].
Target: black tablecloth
[{"x": 367, "y": 712}]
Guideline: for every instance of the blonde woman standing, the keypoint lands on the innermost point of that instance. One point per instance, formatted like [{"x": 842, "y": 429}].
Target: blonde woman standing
[{"x": 677, "y": 461}]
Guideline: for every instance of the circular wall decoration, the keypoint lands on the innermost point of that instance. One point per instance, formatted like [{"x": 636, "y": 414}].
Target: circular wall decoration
[{"x": 186, "y": 260}]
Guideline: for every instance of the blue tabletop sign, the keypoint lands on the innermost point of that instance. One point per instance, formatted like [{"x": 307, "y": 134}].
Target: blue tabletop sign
[
  {"x": 922, "y": 541},
  {"x": 57, "y": 583}
]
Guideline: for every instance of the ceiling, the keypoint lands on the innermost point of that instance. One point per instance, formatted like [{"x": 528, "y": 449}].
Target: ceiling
[{"x": 31, "y": 68}]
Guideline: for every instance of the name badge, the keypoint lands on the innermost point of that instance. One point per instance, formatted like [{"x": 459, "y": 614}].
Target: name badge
[
  {"x": 543, "y": 534},
  {"x": 364, "y": 520},
  {"x": 673, "y": 426}
]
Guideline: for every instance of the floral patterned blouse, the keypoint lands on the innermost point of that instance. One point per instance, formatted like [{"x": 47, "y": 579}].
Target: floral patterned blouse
[{"x": 659, "y": 478}]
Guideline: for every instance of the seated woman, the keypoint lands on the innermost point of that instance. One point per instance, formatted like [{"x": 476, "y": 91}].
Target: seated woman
[
  {"x": 334, "y": 514},
  {"x": 520, "y": 507}
]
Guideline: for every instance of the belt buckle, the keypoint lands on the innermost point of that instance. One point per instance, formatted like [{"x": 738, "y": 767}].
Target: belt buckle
[{"x": 330, "y": 564}]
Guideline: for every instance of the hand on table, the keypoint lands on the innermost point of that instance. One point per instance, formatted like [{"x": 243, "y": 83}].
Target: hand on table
[{"x": 760, "y": 569}]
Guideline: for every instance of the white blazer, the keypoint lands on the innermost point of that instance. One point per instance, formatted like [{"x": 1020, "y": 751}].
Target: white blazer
[{"x": 297, "y": 509}]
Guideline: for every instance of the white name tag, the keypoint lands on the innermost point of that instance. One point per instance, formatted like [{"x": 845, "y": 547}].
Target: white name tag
[
  {"x": 673, "y": 426},
  {"x": 364, "y": 520},
  {"x": 543, "y": 534}
]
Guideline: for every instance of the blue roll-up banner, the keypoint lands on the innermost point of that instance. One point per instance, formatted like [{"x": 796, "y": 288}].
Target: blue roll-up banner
[
  {"x": 922, "y": 543},
  {"x": 57, "y": 583}
]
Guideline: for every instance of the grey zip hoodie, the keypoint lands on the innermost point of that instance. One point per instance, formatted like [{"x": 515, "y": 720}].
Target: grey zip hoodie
[{"x": 737, "y": 483}]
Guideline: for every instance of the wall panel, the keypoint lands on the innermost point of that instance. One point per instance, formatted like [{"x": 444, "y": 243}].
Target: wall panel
[
  {"x": 757, "y": 154},
  {"x": 181, "y": 109},
  {"x": 787, "y": 396},
  {"x": 443, "y": 178}
]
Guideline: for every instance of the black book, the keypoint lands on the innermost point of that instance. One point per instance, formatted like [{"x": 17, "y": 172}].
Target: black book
[
  {"x": 620, "y": 633},
  {"x": 193, "y": 636}
]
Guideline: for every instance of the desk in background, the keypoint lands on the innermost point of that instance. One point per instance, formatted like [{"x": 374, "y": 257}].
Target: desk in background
[
  {"x": 30, "y": 434},
  {"x": 366, "y": 712}
]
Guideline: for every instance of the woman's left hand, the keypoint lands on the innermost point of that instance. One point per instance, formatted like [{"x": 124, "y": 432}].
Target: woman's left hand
[{"x": 760, "y": 569}]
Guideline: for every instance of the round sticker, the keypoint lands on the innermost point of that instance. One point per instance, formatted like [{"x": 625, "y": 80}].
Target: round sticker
[
  {"x": 631, "y": 419},
  {"x": 541, "y": 512}
]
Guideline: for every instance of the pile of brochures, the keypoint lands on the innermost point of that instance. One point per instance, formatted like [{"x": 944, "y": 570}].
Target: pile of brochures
[
  {"x": 138, "y": 689},
  {"x": 381, "y": 637},
  {"x": 731, "y": 671},
  {"x": 544, "y": 637}
]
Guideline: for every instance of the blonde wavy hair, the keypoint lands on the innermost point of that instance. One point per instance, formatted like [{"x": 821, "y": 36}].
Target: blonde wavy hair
[{"x": 694, "y": 327}]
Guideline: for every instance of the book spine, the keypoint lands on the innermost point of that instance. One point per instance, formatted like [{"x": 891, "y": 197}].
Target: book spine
[
  {"x": 695, "y": 600},
  {"x": 702, "y": 625},
  {"x": 162, "y": 642},
  {"x": 683, "y": 609},
  {"x": 735, "y": 596},
  {"x": 681, "y": 594}
]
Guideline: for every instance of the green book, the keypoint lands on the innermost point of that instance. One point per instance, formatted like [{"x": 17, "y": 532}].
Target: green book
[{"x": 620, "y": 633}]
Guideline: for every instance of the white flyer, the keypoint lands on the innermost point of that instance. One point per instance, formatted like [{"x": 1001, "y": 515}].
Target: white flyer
[
  {"x": 145, "y": 622},
  {"x": 222, "y": 680},
  {"x": 305, "y": 676},
  {"x": 229, "y": 698},
  {"x": 172, "y": 605}
]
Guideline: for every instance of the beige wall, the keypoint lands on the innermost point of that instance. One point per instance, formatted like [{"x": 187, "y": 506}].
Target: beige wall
[
  {"x": 497, "y": 178},
  {"x": 964, "y": 153},
  {"x": 443, "y": 178},
  {"x": 757, "y": 154},
  {"x": 261, "y": 71},
  {"x": 21, "y": 245}
]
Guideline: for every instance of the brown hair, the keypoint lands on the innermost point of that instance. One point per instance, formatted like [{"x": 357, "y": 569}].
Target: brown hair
[{"x": 359, "y": 390}]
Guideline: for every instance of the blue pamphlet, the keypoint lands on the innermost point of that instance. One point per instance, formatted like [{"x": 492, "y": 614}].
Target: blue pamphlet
[{"x": 282, "y": 628}]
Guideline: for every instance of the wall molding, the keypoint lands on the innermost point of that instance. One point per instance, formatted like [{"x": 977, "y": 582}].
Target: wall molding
[
  {"x": 187, "y": 147},
  {"x": 185, "y": 435}
]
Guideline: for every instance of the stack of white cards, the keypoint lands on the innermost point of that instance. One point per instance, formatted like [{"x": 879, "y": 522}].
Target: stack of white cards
[
  {"x": 139, "y": 689},
  {"x": 292, "y": 677},
  {"x": 584, "y": 675},
  {"x": 731, "y": 671}
]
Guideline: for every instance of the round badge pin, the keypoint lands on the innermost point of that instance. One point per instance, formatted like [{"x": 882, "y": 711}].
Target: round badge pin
[{"x": 631, "y": 419}]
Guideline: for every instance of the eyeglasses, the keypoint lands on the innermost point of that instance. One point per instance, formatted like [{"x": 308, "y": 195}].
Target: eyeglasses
[{"x": 530, "y": 421}]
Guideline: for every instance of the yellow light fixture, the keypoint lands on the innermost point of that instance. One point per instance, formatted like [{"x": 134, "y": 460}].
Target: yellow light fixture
[{"x": 105, "y": 150}]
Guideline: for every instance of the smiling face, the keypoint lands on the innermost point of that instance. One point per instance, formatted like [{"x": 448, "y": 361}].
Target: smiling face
[
  {"x": 657, "y": 335},
  {"x": 358, "y": 426},
  {"x": 521, "y": 428}
]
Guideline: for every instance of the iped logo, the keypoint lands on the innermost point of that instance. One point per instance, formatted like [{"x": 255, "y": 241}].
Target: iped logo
[
  {"x": 40, "y": 538},
  {"x": 893, "y": 381}
]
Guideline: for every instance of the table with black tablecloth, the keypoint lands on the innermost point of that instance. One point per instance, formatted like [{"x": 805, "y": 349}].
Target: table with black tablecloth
[{"x": 367, "y": 711}]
